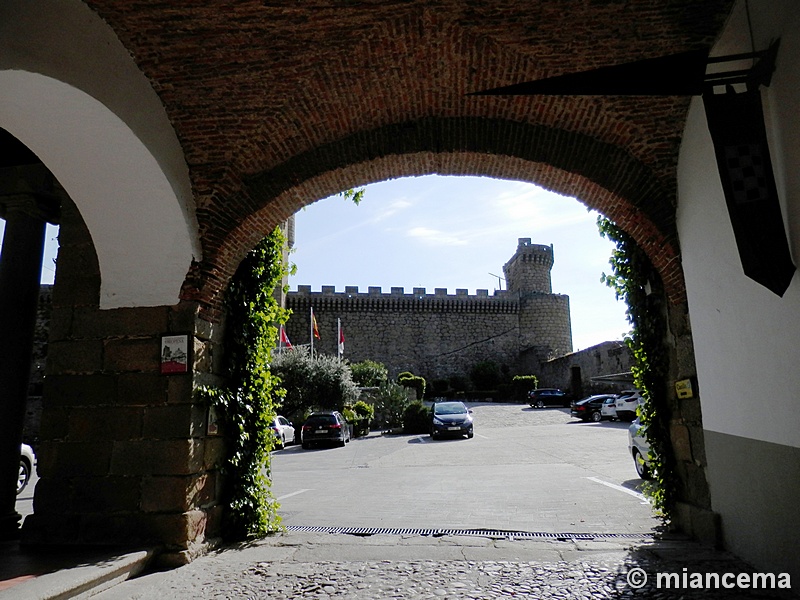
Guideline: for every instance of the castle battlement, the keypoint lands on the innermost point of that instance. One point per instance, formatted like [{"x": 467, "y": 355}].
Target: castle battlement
[
  {"x": 351, "y": 291},
  {"x": 398, "y": 299}
]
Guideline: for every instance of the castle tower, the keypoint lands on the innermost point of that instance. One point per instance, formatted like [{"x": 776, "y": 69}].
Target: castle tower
[
  {"x": 545, "y": 330},
  {"x": 528, "y": 271}
]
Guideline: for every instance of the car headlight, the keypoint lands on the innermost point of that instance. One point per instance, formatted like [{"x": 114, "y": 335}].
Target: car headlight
[{"x": 437, "y": 421}]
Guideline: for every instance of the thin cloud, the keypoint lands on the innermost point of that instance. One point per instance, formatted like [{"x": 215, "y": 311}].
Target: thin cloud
[
  {"x": 435, "y": 237},
  {"x": 391, "y": 210}
]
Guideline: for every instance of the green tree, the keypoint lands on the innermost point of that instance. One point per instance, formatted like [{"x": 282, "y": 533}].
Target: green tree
[
  {"x": 313, "y": 382},
  {"x": 369, "y": 373}
]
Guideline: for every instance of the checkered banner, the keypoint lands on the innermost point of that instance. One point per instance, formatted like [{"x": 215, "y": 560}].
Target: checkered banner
[{"x": 736, "y": 123}]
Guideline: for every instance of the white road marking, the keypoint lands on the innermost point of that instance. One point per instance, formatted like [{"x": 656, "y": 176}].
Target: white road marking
[
  {"x": 482, "y": 436},
  {"x": 292, "y": 494},
  {"x": 620, "y": 488}
]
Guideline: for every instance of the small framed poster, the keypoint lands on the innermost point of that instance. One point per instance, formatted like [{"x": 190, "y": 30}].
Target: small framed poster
[{"x": 174, "y": 354}]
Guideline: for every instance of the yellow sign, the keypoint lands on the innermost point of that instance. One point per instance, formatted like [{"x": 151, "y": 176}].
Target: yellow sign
[{"x": 684, "y": 388}]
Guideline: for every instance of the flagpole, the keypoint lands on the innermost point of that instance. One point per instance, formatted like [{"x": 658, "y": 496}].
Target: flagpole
[
  {"x": 339, "y": 339},
  {"x": 311, "y": 326}
]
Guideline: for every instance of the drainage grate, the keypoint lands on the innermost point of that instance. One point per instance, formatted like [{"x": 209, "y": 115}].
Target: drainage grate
[{"x": 490, "y": 533}]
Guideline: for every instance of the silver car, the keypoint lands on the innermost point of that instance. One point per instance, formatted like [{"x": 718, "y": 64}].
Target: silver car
[
  {"x": 27, "y": 463},
  {"x": 639, "y": 449}
]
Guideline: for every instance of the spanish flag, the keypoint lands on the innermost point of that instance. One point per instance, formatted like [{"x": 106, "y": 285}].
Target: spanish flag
[{"x": 314, "y": 325}]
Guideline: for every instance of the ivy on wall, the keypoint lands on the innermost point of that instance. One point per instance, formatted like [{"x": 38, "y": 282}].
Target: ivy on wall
[
  {"x": 635, "y": 280},
  {"x": 247, "y": 404}
]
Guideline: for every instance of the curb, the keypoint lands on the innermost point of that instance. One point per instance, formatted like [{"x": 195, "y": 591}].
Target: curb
[{"x": 82, "y": 581}]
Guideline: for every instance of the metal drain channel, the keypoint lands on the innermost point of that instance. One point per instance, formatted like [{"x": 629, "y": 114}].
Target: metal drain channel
[{"x": 490, "y": 533}]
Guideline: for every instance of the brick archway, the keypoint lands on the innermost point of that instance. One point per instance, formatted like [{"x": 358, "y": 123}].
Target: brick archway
[{"x": 601, "y": 175}]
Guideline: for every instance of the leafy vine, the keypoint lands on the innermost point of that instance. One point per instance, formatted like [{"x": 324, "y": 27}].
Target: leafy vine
[
  {"x": 248, "y": 401},
  {"x": 635, "y": 280}
]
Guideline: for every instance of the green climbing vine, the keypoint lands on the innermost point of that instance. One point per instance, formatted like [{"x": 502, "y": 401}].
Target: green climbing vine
[
  {"x": 635, "y": 280},
  {"x": 247, "y": 403}
]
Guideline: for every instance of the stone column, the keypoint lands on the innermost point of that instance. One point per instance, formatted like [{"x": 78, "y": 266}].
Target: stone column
[
  {"x": 20, "y": 271},
  {"x": 126, "y": 456}
]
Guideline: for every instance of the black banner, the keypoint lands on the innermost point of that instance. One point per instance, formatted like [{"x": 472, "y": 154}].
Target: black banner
[{"x": 736, "y": 123}]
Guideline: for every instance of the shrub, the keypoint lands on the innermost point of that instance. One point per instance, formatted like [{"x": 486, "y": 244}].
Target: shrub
[
  {"x": 390, "y": 403},
  {"x": 439, "y": 387},
  {"x": 524, "y": 384},
  {"x": 360, "y": 415},
  {"x": 369, "y": 373},
  {"x": 485, "y": 375},
  {"x": 416, "y": 418},
  {"x": 459, "y": 383},
  {"x": 409, "y": 380}
]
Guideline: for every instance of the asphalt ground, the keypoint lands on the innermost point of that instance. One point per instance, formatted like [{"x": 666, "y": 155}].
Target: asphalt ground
[{"x": 525, "y": 469}]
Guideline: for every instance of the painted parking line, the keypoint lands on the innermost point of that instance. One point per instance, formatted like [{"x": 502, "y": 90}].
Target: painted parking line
[
  {"x": 292, "y": 494},
  {"x": 620, "y": 488}
]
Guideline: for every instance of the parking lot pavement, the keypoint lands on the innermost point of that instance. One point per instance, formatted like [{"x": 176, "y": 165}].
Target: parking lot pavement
[{"x": 525, "y": 470}]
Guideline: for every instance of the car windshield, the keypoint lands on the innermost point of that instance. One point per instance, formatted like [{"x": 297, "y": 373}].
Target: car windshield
[{"x": 449, "y": 408}]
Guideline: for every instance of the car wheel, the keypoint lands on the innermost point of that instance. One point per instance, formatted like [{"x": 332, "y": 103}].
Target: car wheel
[
  {"x": 641, "y": 466},
  {"x": 306, "y": 445},
  {"x": 539, "y": 404},
  {"x": 597, "y": 417},
  {"x": 281, "y": 443},
  {"x": 24, "y": 476}
]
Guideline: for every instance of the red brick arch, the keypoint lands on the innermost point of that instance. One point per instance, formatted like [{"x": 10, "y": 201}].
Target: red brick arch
[
  {"x": 269, "y": 98},
  {"x": 600, "y": 175}
]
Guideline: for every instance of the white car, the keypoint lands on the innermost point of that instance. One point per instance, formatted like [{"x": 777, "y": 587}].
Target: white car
[
  {"x": 27, "y": 463},
  {"x": 283, "y": 430},
  {"x": 639, "y": 449},
  {"x": 627, "y": 403},
  {"x": 609, "y": 408}
]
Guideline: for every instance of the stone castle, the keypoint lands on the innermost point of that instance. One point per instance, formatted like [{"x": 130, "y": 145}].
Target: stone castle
[{"x": 440, "y": 335}]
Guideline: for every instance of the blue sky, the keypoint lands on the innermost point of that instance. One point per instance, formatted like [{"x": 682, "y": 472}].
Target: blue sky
[
  {"x": 458, "y": 232},
  {"x": 449, "y": 232}
]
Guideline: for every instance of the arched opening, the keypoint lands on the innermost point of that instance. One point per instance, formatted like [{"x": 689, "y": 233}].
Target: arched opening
[{"x": 395, "y": 330}]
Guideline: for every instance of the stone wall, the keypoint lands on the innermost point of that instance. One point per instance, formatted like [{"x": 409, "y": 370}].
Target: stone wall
[
  {"x": 608, "y": 358},
  {"x": 433, "y": 335},
  {"x": 439, "y": 335},
  {"x": 124, "y": 453}
]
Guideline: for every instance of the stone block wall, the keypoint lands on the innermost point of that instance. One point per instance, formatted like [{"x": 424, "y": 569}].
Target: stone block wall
[
  {"x": 545, "y": 325},
  {"x": 603, "y": 359},
  {"x": 529, "y": 269},
  {"x": 433, "y": 335},
  {"x": 124, "y": 456}
]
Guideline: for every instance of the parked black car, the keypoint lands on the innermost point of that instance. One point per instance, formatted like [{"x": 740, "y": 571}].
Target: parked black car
[
  {"x": 542, "y": 397},
  {"x": 589, "y": 408},
  {"x": 325, "y": 426},
  {"x": 451, "y": 418}
]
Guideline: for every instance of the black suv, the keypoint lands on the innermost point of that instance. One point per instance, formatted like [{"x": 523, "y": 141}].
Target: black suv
[
  {"x": 325, "y": 426},
  {"x": 547, "y": 397}
]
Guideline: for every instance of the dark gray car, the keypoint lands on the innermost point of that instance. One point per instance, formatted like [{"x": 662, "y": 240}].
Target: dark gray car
[{"x": 325, "y": 427}]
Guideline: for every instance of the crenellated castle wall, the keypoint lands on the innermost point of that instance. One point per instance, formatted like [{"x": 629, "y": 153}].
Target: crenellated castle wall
[
  {"x": 438, "y": 335},
  {"x": 433, "y": 335}
]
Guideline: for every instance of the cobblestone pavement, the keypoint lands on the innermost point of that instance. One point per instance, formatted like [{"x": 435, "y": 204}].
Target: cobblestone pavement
[{"x": 301, "y": 566}]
